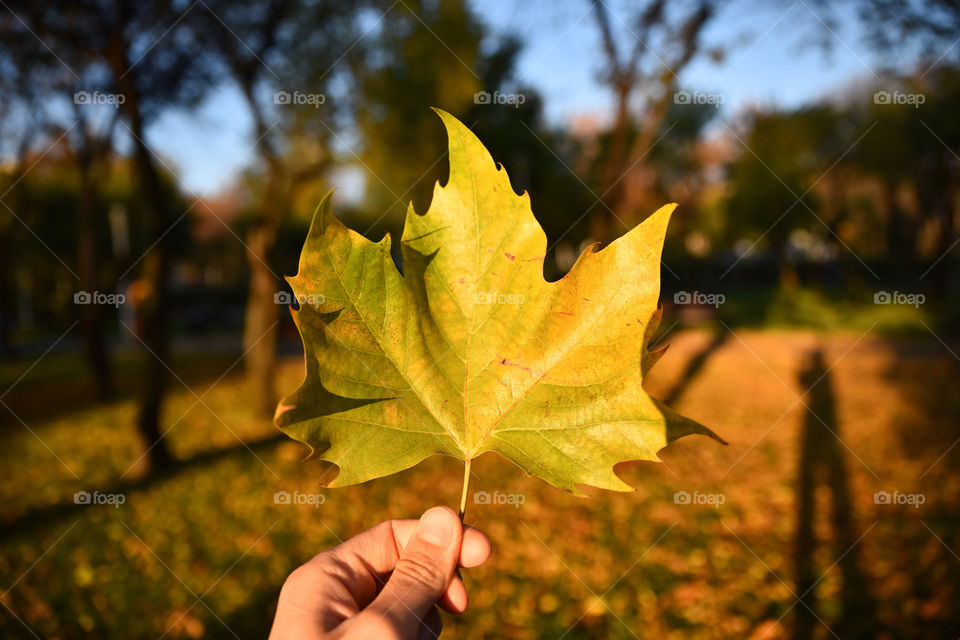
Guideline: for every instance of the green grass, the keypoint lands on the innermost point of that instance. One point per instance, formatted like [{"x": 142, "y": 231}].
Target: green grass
[{"x": 809, "y": 308}]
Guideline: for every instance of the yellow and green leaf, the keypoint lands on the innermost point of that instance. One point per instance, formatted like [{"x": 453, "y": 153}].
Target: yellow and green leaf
[{"x": 471, "y": 350}]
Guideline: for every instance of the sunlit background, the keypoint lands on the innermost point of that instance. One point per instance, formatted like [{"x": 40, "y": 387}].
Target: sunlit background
[{"x": 159, "y": 164}]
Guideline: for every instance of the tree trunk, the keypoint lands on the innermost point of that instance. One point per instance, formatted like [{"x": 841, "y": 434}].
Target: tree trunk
[
  {"x": 153, "y": 312},
  {"x": 946, "y": 219},
  {"x": 154, "y": 302},
  {"x": 7, "y": 292},
  {"x": 944, "y": 214},
  {"x": 8, "y": 287},
  {"x": 92, "y": 316},
  {"x": 625, "y": 75},
  {"x": 787, "y": 276},
  {"x": 936, "y": 198},
  {"x": 260, "y": 328},
  {"x": 602, "y": 226}
]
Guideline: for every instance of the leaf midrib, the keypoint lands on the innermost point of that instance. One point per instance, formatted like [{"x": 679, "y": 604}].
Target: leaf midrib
[{"x": 396, "y": 366}]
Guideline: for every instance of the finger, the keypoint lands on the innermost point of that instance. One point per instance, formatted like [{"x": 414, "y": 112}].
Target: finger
[
  {"x": 454, "y": 599},
  {"x": 365, "y": 561},
  {"x": 421, "y": 576},
  {"x": 474, "y": 549}
]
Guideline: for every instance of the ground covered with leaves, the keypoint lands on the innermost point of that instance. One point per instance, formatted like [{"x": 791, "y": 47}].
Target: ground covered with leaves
[{"x": 786, "y": 508}]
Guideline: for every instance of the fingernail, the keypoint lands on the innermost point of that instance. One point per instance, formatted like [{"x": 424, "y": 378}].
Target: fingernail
[{"x": 435, "y": 527}]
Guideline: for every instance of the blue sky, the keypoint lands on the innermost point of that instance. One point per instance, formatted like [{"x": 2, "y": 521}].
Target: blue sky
[{"x": 773, "y": 62}]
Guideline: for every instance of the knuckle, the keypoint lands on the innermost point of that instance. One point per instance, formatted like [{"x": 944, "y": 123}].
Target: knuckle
[
  {"x": 308, "y": 575},
  {"x": 300, "y": 578},
  {"x": 423, "y": 569}
]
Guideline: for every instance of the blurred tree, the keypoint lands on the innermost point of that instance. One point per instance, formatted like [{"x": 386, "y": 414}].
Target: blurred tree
[
  {"x": 90, "y": 148},
  {"x": 930, "y": 25},
  {"x": 37, "y": 80},
  {"x": 881, "y": 155},
  {"x": 673, "y": 172},
  {"x": 770, "y": 180},
  {"x": 440, "y": 54},
  {"x": 538, "y": 158},
  {"x": 422, "y": 54},
  {"x": 664, "y": 38},
  {"x": 150, "y": 56},
  {"x": 24, "y": 79},
  {"x": 936, "y": 134},
  {"x": 918, "y": 198},
  {"x": 923, "y": 34},
  {"x": 276, "y": 51}
]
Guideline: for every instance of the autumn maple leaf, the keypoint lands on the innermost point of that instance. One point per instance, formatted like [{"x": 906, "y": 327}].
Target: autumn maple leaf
[{"x": 471, "y": 350}]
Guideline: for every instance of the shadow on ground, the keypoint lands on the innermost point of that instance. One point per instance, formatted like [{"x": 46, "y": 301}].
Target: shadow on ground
[
  {"x": 47, "y": 516},
  {"x": 823, "y": 464}
]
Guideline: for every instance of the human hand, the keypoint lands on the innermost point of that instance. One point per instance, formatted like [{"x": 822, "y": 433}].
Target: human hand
[{"x": 383, "y": 583}]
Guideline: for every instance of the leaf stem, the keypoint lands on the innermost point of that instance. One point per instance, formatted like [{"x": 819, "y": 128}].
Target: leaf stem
[{"x": 466, "y": 485}]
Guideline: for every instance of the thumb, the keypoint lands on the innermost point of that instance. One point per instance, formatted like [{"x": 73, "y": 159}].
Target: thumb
[{"x": 423, "y": 572}]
